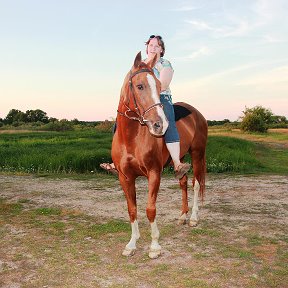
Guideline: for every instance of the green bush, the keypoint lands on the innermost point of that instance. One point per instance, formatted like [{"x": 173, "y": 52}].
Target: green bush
[
  {"x": 253, "y": 123},
  {"x": 256, "y": 119}
]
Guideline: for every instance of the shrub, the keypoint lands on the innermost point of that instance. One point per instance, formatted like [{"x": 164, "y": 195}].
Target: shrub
[
  {"x": 256, "y": 119},
  {"x": 62, "y": 125}
]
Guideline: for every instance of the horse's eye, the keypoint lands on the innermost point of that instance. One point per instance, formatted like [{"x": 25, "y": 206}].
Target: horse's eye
[{"x": 140, "y": 87}]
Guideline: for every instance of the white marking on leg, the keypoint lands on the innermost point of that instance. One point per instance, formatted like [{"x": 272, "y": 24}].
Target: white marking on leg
[
  {"x": 155, "y": 97},
  {"x": 131, "y": 246},
  {"x": 194, "y": 217},
  {"x": 155, "y": 248}
]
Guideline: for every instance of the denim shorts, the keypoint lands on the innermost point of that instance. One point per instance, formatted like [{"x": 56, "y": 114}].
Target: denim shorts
[{"x": 171, "y": 134}]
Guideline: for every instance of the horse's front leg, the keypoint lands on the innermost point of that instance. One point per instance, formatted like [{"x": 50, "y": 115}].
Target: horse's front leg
[
  {"x": 153, "y": 184},
  {"x": 128, "y": 187}
]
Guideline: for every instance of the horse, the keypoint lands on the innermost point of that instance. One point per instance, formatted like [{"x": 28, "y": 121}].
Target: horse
[{"x": 138, "y": 148}]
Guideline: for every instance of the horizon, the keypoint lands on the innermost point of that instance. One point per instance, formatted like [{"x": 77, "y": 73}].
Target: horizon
[
  {"x": 113, "y": 119},
  {"x": 69, "y": 59}
]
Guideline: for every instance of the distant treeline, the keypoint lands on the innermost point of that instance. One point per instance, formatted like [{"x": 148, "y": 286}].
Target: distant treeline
[
  {"x": 221, "y": 122},
  {"x": 39, "y": 120}
]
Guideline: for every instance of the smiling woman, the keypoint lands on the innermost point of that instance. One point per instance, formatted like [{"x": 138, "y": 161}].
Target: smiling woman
[{"x": 162, "y": 69}]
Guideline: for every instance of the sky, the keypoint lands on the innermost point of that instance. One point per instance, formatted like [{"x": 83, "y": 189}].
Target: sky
[{"x": 69, "y": 57}]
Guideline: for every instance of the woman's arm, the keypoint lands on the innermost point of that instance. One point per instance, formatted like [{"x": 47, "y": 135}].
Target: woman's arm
[{"x": 166, "y": 76}]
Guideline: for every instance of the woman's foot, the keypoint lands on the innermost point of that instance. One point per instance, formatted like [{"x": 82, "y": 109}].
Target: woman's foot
[
  {"x": 109, "y": 168},
  {"x": 181, "y": 170}
]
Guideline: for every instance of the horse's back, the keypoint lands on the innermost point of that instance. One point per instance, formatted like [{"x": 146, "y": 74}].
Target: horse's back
[{"x": 192, "y": 128}]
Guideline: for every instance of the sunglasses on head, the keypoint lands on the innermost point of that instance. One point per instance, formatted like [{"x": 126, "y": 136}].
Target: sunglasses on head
[{"x": 155, "y": 36}]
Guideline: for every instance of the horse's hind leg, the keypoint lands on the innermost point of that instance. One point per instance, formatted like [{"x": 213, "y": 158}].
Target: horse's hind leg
[
  {"x": 199, "y": 168},
  {"x": 130, "y": 194},
  {"x": 183, "y": 184},
  {"x": 194, "y": 219}
]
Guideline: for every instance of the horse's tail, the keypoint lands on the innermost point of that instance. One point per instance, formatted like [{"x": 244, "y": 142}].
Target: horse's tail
[{"x": 202, "y": 178}]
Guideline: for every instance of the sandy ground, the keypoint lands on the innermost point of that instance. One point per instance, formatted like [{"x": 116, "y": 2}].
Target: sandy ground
[{"x": 106, "y": 200}]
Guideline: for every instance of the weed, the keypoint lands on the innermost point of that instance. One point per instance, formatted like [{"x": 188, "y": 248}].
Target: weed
[{"x": 47, "y": 211}]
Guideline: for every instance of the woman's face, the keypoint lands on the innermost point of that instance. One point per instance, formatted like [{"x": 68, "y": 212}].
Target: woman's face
[{"x": 153, "y": 48}]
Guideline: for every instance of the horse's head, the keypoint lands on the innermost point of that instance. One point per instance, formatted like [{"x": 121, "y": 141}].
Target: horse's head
[{"x": 141, "y": 97}]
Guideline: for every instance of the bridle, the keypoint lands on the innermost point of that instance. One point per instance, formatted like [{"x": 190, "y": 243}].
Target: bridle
[{"x": 140, "y": 117}]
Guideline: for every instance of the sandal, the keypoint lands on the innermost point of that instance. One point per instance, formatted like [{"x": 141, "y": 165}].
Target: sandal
[
  {"x": 109, "y": 168},
  {"x": 182, "y": 169}
]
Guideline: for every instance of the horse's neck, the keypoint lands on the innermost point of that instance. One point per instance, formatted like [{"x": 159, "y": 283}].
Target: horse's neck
[{"x": 128, "y": 129}]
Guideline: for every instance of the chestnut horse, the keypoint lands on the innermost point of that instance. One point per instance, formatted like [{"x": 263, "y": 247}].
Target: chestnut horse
[{"x": 139, "y": 150}]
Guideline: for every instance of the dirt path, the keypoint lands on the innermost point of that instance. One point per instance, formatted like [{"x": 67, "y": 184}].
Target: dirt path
[
  {"x": 233, "y": 205},
  {"x": 105, "y": 198}
]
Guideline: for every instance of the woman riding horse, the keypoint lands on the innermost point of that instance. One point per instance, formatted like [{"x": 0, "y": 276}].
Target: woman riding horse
[{"x": 164, "y": 72}]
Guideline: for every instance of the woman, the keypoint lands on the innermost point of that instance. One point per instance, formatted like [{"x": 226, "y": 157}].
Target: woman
[{"x": 164, "y": 72}]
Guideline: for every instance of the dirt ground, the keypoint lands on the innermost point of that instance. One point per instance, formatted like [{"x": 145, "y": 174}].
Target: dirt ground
[
  {"x": 233, "y": 203},
  {"x": 93, "y": 198}
]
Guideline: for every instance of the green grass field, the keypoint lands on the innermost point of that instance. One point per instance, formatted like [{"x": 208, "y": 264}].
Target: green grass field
[
  {"x": 53, "y": 152},
  {"x": 83, "y": 151}
]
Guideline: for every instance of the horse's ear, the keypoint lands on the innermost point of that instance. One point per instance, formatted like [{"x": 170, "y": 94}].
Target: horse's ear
[
  {"x": 138, "y": 60},
  {"x": 152, "y": 62}
]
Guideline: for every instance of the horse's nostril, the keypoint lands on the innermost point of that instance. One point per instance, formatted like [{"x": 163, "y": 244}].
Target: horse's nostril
[{"x": 157, "y": 125}]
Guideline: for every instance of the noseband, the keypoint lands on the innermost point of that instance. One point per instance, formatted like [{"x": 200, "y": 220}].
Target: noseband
[{"x": 140, "y": 117}]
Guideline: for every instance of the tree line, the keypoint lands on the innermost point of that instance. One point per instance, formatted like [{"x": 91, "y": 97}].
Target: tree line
[
  {"x": 38, "y": 119},
  {"x": 256, "y": 119}
]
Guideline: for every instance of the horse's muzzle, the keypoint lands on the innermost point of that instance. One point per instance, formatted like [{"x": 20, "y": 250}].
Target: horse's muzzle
[{"x": 157, "y": 128}]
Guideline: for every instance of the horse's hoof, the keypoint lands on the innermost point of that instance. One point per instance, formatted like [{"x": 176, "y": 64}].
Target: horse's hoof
[
  {"x": 128, "y": 252},
  {"x": 154, "y": 254},
  {"x": 182, "y": 220},
  {"x": 193, "y": 223}
]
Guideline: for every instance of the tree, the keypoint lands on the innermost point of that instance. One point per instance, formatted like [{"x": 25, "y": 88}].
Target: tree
[
  {"x": 256, "y": 119},
  {"x": 15, "y": 115},
  {"x": 36, "y": 115}
]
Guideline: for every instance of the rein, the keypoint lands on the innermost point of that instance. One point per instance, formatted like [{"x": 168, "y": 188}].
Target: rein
[{"x": 140, "y": 117}]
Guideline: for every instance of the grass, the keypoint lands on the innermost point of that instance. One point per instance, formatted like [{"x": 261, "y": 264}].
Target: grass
[
  {"x": 77, "y": 152},
  {"x": 53, "y": 152},
  {"x": 227, "y": 154}
]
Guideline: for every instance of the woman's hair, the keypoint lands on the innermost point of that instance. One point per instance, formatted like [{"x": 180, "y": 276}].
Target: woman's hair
[{"x": 160, "y": 43}]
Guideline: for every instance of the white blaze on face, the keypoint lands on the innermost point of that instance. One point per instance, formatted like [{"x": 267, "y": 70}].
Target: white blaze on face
[{"x": 152, "y": 84}]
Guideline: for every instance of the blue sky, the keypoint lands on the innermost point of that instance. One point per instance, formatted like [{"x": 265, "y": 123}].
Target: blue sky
[{"x": 69, "y": 58}]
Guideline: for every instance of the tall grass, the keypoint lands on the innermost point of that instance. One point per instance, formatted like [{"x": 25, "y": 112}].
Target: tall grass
[
  {"x": 54, "y": 152},
  {"x": 83, "y": 151},
  {"x": 226, "y": 154}
]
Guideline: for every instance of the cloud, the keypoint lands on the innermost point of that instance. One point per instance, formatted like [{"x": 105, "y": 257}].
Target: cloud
[
  {"x": 201, "y": 25},
  {"x": 241, "y": 20},
  {"x": 272, "y": 76},
  {"x": 273, "y": 39},
  {"x": 269, "y": 10},
  {"x": 202, "y": 51},
  {"x": 203, "y": 81},
  {"x": 184, "y": 8},
  {"x": 237, "y": 27}
]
